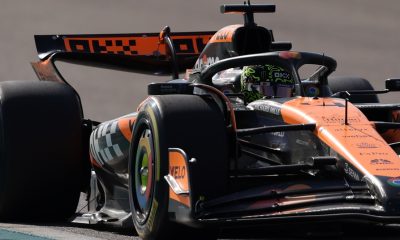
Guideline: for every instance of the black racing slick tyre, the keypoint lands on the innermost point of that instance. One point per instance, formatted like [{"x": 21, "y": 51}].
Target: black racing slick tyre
[
  {"x": 195, "y": 125},
  {"x": 41, "y": 151},
  {"x": 338, "y": 84}
]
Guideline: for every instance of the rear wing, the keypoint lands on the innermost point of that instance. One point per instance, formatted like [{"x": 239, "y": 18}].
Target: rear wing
[{"x": 141, "y": 52}]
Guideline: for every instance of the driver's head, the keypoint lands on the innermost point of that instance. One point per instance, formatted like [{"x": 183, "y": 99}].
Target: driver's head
[{"x": 268, "y": 81}]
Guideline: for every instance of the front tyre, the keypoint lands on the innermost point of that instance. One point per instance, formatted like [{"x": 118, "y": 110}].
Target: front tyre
[
  {"x": 194, "y": 124},
  {"x": 148, "y": 192}
]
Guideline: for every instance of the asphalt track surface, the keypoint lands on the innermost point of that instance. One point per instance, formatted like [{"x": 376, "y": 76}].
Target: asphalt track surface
[{"x": 363, "y": 36}]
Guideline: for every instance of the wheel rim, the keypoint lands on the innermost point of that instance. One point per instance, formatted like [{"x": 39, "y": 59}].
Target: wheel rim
[{"x": 144, "y": 175}]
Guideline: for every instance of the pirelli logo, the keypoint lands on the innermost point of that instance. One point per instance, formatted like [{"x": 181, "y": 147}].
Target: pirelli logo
[{"x": 135, "y": 45}]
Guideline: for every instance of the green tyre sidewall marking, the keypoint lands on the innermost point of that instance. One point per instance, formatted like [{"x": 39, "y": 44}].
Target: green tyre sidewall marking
[
  {"x": 157, "y": 216},
  {"x": 156, "y": 140},
  {"x": 156, "y": 143}
]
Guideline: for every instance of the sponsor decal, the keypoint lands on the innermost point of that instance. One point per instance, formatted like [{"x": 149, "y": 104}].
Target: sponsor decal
[
  {"x": 178, "y": 172},
  {"x": 336, "y": 119},
  {"x": 205, "y": 61},
  {"x": 355, "y": 136},
  {"x": 283, "y": 75},
  {"x": 387, "y": 169},
  {"x": 351, "y": 172},
  {"x": 374, "y": 154},
  {"x": 380, "y": 162},
  {"x": 225, "y": 34},
  {"x": 353, "y": 129},
  {"x": 276, "y": 110},
  {"x": 178, "y": 168},
  {"x": 395, "y": 182},
  {"x": 366, "y": 145},
  {"x": 278, "y": 134},
  {"x": 221, "y": 36}
]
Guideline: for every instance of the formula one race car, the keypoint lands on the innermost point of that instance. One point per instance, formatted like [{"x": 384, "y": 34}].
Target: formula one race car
[{"x": 209, "y": 151}]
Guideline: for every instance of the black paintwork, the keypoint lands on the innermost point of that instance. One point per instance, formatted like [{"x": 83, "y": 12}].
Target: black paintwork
[{"x": 333, "y": 189}]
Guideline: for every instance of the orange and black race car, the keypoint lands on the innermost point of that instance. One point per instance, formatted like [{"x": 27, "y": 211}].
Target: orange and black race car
[{"x": 222, "y": 147}]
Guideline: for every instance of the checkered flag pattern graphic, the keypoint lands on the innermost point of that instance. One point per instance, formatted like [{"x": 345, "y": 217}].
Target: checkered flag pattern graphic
[
  {"x": 102, "y": 145},
  {"x": 124, "y": 47}
]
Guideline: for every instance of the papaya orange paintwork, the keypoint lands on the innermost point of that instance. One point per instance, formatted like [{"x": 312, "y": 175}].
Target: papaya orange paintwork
[
  {"x": 358, "y": 142},
  {"x": 179, "y": 170},
  {"x": 225, "y": 34},
  {"x": 126, "y": 125}
]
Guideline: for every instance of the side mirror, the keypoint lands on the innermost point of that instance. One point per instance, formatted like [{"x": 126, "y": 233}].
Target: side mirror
[{"x": 393, "y": 84}]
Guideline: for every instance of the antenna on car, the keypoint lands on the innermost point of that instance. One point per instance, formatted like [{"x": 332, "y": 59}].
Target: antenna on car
[
  {"x": 346, "y": 95},
  {"x": 248, "y": 10},
  {"x": 165, "y": 37}
]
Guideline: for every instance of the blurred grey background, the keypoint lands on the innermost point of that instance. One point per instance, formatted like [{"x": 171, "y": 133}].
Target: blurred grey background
[{"x": 363, "y": 35}]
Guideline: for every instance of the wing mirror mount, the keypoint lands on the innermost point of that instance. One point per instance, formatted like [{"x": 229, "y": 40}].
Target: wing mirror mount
[{"x": 393, "y": 84}]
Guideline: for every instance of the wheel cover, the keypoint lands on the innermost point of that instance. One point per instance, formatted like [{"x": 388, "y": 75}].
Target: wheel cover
[{"x": 144, "y": 175}]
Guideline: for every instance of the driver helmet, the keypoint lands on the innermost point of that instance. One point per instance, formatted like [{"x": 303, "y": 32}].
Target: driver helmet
[{"x": 266, "y": 81}]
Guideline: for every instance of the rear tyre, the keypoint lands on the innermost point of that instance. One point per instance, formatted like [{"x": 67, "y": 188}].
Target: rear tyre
[
  {"x": 338, "y": 84},
  {"x": 40, "y": 151},
  {"x": 174, "y": 121}
]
